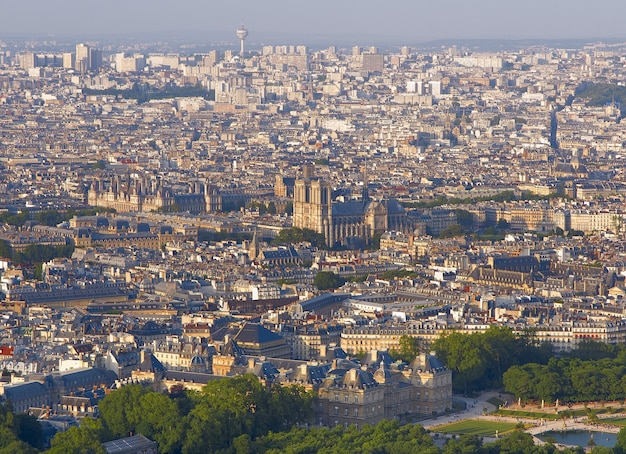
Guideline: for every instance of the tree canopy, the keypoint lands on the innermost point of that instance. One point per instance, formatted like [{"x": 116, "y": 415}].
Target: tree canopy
[
  {"x": 479, "y": 360},
  {"x": 594, "y": 371},
  {"x": 192, "y": 422},
  {"x": 297, "y": 235},
  {"x": 408, "y": 350},
  {"x": 326, "y": 280}
]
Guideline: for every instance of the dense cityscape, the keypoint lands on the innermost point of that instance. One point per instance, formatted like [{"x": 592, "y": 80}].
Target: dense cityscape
[{"x": 256, "y": 249}]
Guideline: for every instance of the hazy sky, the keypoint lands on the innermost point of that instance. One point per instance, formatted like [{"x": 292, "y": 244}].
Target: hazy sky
[{"x": 365, "y": 20}]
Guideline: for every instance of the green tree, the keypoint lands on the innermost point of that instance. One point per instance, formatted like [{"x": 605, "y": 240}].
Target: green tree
[
  {"x": 120, "y": 410},
  {"x": 28, "y": 429},
  {"x": 17, "y": 447},
  {"x": 376, "y": 241},
  {"x": 17, "y": 220},
  {"x": 49, "y": 217},
  {"x": 452, "y": 231},
  {"x": 134, "y": 409},
  {"x": 5, "y": 249},
  {"x": 503, "y": 224},
  {"x": 77, "y": 440},
  {"x": 464, "y": 218},
  {"x": 469, "y": 444},
  {"x": 297, "y": 235},
  {"x": 408, "y": 349},
  {"x": 620, "y": 445},
  {"x": 100, "y": 164},
  {"x": 326, "y": 280}
]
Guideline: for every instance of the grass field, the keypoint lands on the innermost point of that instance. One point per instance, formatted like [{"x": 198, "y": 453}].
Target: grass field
[
  {"x": 616, "y": 421},
  {"x": 476, "y": 427},
  {"x": 527, "y": 414}
]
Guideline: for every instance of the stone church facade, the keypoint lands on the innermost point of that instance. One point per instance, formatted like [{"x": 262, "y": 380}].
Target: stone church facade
[{"x": 350, "y": 223}]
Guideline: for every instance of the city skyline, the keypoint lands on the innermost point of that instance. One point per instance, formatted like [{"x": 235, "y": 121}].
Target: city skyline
[{"x": 365, "y": 21}]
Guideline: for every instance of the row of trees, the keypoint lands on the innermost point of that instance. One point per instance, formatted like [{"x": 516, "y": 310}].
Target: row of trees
[
  {"x": 144, "y": 92},
  {"x": 570, "y": 379},
  {"x": 388, "y": 437},
  {"x": 479, "y": 360},
  {"x": 192, "y": 422},
  {"x": 504, "y": 196},
  {"x": 34, "y": 254},
  {"x": 50, "y": 218},
  {"x": 297, "y": 235}
]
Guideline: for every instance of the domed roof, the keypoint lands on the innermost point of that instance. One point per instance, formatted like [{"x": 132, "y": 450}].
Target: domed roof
[
  {"x": 383, "y": 374},
  {"x": 198, "y": 361}
]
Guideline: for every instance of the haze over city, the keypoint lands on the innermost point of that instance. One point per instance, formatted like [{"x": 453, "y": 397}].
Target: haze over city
[
  {"x": 232, "y": 226},
  {"x": 362, "y": 21}
]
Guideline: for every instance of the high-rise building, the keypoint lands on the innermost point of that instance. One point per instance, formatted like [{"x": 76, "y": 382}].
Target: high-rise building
[
  {"x": 81, "y": 62},
  {"x": 95, "y": 59},
  {"x": 27, "y": 60},
  {"x": 373, "y": 62},
  {"x": 68, "y": 60}
]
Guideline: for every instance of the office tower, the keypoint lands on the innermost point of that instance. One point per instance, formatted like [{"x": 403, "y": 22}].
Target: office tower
[
  {"x": 68, "y": 60},
  {"x": 95, "y": 59},
  {"x": 373, "y": 62},
  {"x": 27, "y": 60},
  {"x": 81, "y": 62}
]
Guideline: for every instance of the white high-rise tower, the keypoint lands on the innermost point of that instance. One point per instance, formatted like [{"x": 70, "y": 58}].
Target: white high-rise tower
[{"x": 241, "y": 34}]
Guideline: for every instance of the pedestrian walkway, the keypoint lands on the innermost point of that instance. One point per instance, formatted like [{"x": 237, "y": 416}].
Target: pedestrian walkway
[{"x": 480, "y": 408}]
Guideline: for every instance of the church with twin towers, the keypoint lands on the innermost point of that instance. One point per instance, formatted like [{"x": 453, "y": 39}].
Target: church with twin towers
[{"x": 352, "y": 223}]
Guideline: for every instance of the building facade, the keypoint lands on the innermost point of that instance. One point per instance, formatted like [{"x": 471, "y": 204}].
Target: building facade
[{"x": 350, "y": 223}]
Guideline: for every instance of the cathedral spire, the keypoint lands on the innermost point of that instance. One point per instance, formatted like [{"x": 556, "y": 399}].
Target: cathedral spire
[
  {"x": 365, "y": 193},
  {"x": 253, "y": 251}
]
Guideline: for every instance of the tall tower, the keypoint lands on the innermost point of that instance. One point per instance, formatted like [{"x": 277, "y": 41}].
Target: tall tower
[
  {"x": 81, "y": 61},
  {"x": 242, "y": 33}
]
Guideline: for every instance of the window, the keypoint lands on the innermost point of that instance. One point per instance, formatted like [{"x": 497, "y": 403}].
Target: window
[
  {"x": 345, "y": 412},
  {"x": 345, "y": 398},
  {"x": 356, "y": 399},
  {"x": 336, "y": 410},
  {"x": 336, "y": 397},
  {"x": 356, "y": 412}
]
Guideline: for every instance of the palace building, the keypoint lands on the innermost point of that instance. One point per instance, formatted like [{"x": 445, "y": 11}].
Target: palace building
[{"x": 146, "y": 195}]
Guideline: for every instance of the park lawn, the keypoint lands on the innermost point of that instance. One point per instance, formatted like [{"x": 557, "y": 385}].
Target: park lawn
[
  {"x": 476, "y": 427},
  {"x": 614, "y": 421},
  {"x": 527, "y": 414}
]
